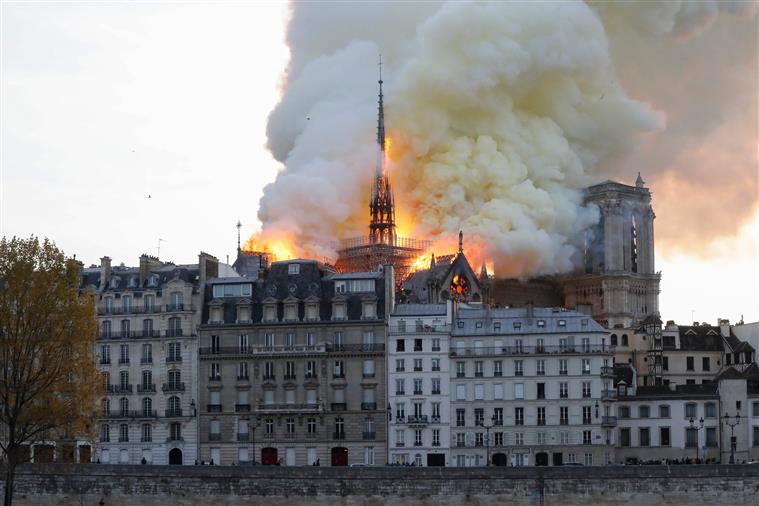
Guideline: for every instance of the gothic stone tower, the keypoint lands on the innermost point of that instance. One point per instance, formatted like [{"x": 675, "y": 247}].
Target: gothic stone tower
[{"x": 618, "y": 278}]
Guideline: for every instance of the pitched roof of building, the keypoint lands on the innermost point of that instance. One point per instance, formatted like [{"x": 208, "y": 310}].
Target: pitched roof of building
[
  {"x": 700, "y": 338},
  {"x": 518, "y": 321},
  {"x": 419, "y": 310}
]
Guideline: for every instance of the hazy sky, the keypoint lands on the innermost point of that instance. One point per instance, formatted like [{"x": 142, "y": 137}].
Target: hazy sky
[{"x": 104, "y": 105}]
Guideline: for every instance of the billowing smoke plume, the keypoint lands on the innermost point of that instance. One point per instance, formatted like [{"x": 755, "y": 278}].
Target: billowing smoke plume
[{"x": 498, "y": 115}]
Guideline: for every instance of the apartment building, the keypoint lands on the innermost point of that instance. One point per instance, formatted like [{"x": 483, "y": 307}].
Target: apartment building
[
  {"x": 292, "y": 366},
  {"x": 418, "y": 376},
  {"x": 147, "y": 354},
  {"x": 530, "y": 386}
]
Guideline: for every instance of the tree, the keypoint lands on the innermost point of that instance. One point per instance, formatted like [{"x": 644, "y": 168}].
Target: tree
[{"x": 48, "y": 380}]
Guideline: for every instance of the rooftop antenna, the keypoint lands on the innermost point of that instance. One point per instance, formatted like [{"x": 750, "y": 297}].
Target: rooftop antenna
[
  {"x": 159, "y": 246},
  {"x": 239, "y": 226}
]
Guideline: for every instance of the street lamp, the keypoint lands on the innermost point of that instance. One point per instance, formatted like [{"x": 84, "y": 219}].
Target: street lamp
[
  {"x": 487, "y": 439},
  {"x": 697, "y": 428},
  {"x": 192, "y": 408},
  {"x": 253, "y": 428},
  {"x": 732, "y": 425}
]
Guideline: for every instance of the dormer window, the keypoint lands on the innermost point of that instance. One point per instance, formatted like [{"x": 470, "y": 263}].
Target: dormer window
[
  {"x": 369, "y": 310},
  {"x": 291, "y": 311},
  {"x": 338, "y": 311},
  {"x": 270, "y": 313},
  {"x": 293, "y": 268},
  {"x": 312, "y": 312},
  {"x": 215, "y": 316},
  {"x": 541, "y": 323},
  {"x": 132, "y": 282},
  {"x": 243, "y": 314},
  {"x": 153, "y": 280},
  {"x": 562, "y": 323},
  {"x": 496, "y": 326},
  {"x": 115, "y": 281}
]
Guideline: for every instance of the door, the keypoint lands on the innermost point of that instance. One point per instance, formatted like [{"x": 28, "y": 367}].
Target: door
[
  {"x": 339, "y": 456},
  {"x": 541, "y": 459},
  {"x": 175, "y": 457},
  {"x": 558, "y": 458},
  {"x": 85, "y": 454},
  {"x": 435, "y": 459},
  {"x": 499, "y": 459},
  {"x": 43, "y": 453},
  {"x": 269, "y": 456}
]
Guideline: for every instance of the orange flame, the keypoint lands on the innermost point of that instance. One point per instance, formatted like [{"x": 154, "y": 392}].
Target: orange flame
[
  {"x": 388, "y": 145},
  {"x": 278, "y": 247}
]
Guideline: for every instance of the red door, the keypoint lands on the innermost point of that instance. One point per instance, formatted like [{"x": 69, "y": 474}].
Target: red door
[
  {"x": 269, "y": 456},
  {"x": 339, "y": 456}
]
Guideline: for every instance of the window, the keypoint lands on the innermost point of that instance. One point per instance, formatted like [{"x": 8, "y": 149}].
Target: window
[
  {"x": 417, "y": 364},
  {"x": 563, "y": 415},
  {"x": 586, "y": 389},
  {"x": 563, "y": 367},
  {"x": 435, "y": 364},
  {"x": 664, "y": 436},
  {"x": 498, "y": 416},
  {"x": 563, "y": 390},
  {"x": 215, "y": 372},
  {"x": 518, "y": 368},
  {"x": 541, "y": 415},
  {"x": 479, "y": 416},
  {"x": 400, "y": 345},
  {"x": 588, "y": 459},
  {"x": 400, "y": 411},
  {"x": 479, "y": 392},
  {"x": 689, "y": 364},
  {"x": 290, "y": 425},
  {"x": 460, "y": 392},
  {"x": 519, "y": 390},
  {"x": 339, "y": 369},
  {"x": 105, "y": 354},
  {"x": 124, "y": 356},
  {"x": 400, "y": 386},
  {"x": 755, "y": 436},
  {"x": 643, "y": 412},
  {"x": 665, "y": 363},
  {"x": 435, "y": 437},
  {"x": 519, "y": 438},
  {"x": 518, "y": 416},
  {"x": 541, "y": 390},
  {"x": 645, "y": 436},
  {"x": 564, "y": 438},
  {"x": 691, "y": 438},
  {"x": 711, "y": 436},
  {"x": 147, "y": 381},
  {"x": 705, "y": 364},
  {"x": 541, "y": 323},
  {"x": 311, "y": 426},
  {"x": 710, "y": 410},
  {"x": 478, "y": 369},
  {"x": 498, "y": 391},
  {"x": 690, "y": 410},
  {"x": 417, "y": 345},
  {"x": 147, "y": 353},
  {"x": 174, "y": 352},
  {"x": 624, "y": 436},
  {"x": 497, "y": 368},
  {"x": 242, "y": 371},
  {"x": 269, "y": 425},
  {"x": 460, "y": 369},
  {"x": 123, "y": 433},
  {"x": 310, "y": 371},
  {"x": 175, "y": 431},
  {"x": 460, "y": 417},
  {"x": 663, "y": 411},
  {"x": 586, "y": 415},
  {"x": 435, "y": 411},
  {"x": 623, "y": 411},
  {"x": 124, "y": 381},
  {"x": 293, "y": 268},
  {"x": 755, "y": 409},
  {"x": 540, "y": 367},
  {"x": 417, "y": 386},
  {"x": 400, "y": 437},
  {"x": 624, "y": 340},
  {"x": 105, "y": 433},
  {"x": 562, "y": 323},
  {"x": 435, "y": 386},
  {"x": 586, "y": 366},
  {"x": 587, "y": 437},
  {"x": 400, "y": 365},
  {"x": 436, "y": 344},
  {"x": 418, "y": 437}
]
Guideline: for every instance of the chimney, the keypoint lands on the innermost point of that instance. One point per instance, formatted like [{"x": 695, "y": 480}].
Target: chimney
[
  {"x": 724, "y": 327},
  {"x": 147, "y": 262},
  {"x": 105, "y": 272},
  {"x": 208, "y": 265},
  {"x": 530, "y": 313},
  {"x": 389, "y": 272}
]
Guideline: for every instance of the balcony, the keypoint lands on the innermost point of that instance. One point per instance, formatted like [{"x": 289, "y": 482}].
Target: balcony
[
  {"x": 608, "y": 421},
  {"x": 289, "y": 377},
  {"x": 311, "y": 375},
  {"x": 146, "y": 361},
  {"x": 355, "y": 348},
  {"x": 214, "y": 437},
  {"x": 593, "y": 349},
  {"x": 371, "y": 436},
  {"x": 173, "y": 359},
  {"x": 338, "y": 435},
  {"x": 368, "y": 375},
  {"x": 119, "y": 389},
  {"x": 144, "y": 389},
  {"x": 607, "y": 370},
  {"x": 213, "y": 408},
  {"x": 123, "y": 361},
  {"x": 173, "y": 387},
  {"x": 418, "y": 329},
  {"x": 263, "y": 350},
  {"x": 417, "y": 420},
  {"x": 105, "y": 361},
  {"x": 242, "y": 408},
  {"x": 478, "y": 374},
  {"x": 173, "y": 413},
  {"x": 174, "y": 333},
  {"x": 172, "y": 308},
  {"x": 339, "y": 375},
  {"x": 338, "y": 406},
  {"x": 289, "y": 408},
  {"x": 174, "y": 438},
  {"x": 243, "y": 437},
  {"x": 132, "y": 414},
  {"x": 368, "y": 406},
  {"x": 608, "y": 395},
  {"x": 244, "y": 378}
]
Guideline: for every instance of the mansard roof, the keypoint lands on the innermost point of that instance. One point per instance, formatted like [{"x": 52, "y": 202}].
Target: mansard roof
[
  {"x": 518, "y": 321},
  {"x": 419, "y": 310},
  {"x": 700, "y": 338}
]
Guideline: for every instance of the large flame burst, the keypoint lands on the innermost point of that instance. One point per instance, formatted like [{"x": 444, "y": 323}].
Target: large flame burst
[{"x": 278, "y": 247}]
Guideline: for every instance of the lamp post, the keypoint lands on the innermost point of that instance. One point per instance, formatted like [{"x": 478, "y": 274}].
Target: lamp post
[
  {"x": 732, "y": 425},
  {"x": 697, "y": 428},
  {"x": 487, "y": 439},
  {"x": 253, "y": 428}
]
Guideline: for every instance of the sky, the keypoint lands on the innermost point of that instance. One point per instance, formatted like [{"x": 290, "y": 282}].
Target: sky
[{"x": 129, "y": 125}]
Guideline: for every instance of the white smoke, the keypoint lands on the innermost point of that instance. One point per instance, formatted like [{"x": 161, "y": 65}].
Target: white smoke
[{"x": 499, "y": 113}]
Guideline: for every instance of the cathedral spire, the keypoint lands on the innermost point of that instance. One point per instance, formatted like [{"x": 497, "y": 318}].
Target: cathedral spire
[{"x": 381, "y": 207}]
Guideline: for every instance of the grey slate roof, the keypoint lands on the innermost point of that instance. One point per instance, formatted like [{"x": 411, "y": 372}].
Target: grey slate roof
[
  {"x": 700, "y": 338},
  {"x": 419, "y": 310},
  {"x": 466, "y": 321}
]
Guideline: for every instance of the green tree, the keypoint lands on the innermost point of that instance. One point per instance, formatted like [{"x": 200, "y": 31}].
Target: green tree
[{"x": 48, "y": 380}]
